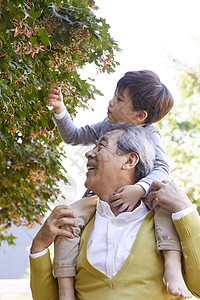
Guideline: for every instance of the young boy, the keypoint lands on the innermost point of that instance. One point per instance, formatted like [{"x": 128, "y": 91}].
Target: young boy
[{"x": 140, "y": 99}]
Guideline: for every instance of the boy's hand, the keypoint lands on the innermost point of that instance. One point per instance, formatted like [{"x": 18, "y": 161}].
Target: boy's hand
[
  {"x": 55, "y": 99},
  {"x": 127, "y": 197}
]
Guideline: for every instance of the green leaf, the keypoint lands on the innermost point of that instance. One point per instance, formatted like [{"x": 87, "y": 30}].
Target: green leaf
[
  {"x": 34, "y": 14},
  {"x": 43, "y": 36}
]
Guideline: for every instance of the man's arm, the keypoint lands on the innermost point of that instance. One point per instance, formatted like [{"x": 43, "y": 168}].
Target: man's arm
[
  {"x": 188, "y": 229},
  {"x": 172, "y": 198},
  {"x": 43, "y": 284}
]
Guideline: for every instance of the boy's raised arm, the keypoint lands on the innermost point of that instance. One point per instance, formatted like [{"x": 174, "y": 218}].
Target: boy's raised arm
[{"x": 70, "y": 134}]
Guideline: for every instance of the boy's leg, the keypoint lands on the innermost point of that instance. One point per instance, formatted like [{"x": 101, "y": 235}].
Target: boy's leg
[
  {"x": 66, "y": 288},
  {"x": 173, "y": 277},
  {"x": 66, "y": 250},
  {"x": 165, "y": 232},
  {"x": 168, "y": 243}
]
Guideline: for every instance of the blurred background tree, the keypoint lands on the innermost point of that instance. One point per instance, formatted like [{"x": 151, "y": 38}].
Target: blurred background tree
[
  {"x": 181, "y": 130},
  {"x": 41, "y": 43}
]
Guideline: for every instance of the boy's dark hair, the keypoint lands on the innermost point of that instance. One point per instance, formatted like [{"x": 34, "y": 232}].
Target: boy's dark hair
[{"x": 147, "y": 93}]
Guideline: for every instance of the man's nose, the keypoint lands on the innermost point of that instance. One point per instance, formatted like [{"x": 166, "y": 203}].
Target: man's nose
[{"x": 90, "y": 153}]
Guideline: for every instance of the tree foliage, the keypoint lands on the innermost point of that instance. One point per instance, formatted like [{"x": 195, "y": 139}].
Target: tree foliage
[
  {"x": 42, "y": 42},
  {"x": 181, "y": 130}
]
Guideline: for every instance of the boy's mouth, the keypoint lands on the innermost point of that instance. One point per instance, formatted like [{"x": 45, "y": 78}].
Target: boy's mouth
[{"x": 108, "y": 112}]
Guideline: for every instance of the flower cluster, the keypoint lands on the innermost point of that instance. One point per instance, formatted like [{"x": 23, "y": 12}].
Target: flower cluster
[{"x": 26, "y": 46}]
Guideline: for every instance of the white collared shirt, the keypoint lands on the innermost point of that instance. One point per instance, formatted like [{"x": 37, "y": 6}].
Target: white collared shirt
[{"x": 112, "y": 237}]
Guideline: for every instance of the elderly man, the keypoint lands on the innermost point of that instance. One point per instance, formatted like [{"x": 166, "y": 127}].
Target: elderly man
[{"x": 117, "y": 257}]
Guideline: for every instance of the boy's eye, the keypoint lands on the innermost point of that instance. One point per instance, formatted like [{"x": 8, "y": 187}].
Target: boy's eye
[{"x": 118, "y": 99}]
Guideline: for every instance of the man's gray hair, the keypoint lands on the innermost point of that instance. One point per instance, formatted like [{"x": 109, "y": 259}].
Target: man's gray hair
[{"x": 134, "y": 139}]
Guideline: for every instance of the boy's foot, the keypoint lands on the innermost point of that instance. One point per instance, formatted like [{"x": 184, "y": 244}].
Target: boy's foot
[{"x": 175, "y": 284}]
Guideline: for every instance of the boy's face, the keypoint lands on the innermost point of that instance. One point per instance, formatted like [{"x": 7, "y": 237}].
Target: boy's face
[{"x": 121, "y": 108}]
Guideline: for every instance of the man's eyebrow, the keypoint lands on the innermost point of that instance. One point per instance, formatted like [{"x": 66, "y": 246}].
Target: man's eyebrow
[{"x": 104, "y": 138}]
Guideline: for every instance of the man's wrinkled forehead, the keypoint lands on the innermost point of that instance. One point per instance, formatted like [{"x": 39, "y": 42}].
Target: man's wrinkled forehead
[{"x": 112, "y": 135}]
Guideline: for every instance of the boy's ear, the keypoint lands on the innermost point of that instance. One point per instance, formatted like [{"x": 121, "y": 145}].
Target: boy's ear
[
  {"x": 141, "y": 115},
  {"x": 131, "y": 160}
]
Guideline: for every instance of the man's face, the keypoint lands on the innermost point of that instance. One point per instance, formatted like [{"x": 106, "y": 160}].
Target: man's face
[{"x": 104, "y": 165}]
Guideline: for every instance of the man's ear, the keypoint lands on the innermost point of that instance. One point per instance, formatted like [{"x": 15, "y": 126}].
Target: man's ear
[{"x": 131, "y": 160}]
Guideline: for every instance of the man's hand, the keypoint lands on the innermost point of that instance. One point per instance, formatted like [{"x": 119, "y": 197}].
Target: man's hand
[
  {"x": 126, "y": 197},
  {"x": 168, "y": 195},
  {"x": 60, "y": 216},
  {"x": 55, "y": 99}
]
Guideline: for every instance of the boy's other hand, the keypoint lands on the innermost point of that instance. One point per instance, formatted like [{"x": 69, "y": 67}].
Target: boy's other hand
[
  {"x": 55, "y": 99},
  {"x": 126, "y": 197}
]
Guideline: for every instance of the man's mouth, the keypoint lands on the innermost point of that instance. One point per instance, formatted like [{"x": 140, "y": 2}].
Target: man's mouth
[{"x": 90, "y": 167}]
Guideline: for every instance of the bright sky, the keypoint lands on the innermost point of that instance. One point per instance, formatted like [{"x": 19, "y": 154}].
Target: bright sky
[{"x": 148, "y": 32}]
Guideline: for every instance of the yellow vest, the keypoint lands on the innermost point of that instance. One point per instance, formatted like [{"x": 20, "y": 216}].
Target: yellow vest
[
  {"x": 143, "y": 266},
  {"x": 140, "y": 277}
]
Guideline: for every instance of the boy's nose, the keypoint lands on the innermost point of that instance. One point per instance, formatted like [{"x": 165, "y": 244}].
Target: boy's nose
[{"x": 111, "y": 102}]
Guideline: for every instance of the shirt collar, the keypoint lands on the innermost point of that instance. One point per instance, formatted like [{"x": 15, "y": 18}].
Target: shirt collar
[{"x": 103, "y": 208}]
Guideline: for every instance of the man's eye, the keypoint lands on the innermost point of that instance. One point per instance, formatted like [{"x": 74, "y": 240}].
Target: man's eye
[{"x": 118, "y": 99}]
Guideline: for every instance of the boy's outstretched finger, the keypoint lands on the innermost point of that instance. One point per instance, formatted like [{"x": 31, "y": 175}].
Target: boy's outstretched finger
[
  {"x": 114, "y": 197},
  {"x": 53, "y": 90},
  {"x": 119, "y": 190},
  {"x": 116, "y": 203},
  {"x": 123, "y": 207}
]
